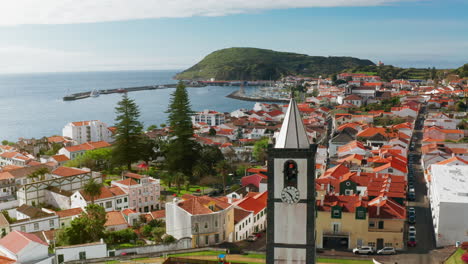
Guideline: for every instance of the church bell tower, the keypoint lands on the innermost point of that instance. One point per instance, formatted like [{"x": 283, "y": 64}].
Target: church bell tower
[{"x": 291, "y": 194}]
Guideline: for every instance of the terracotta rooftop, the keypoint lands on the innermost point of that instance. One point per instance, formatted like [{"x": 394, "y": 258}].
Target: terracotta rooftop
[
  {"x": 240, "y": 214},
  {"x": 115, "y": 218},
  {"x": 15, "y": 241},
  {"x": 67, "y": 172},
  {"x": 69, "y": 212}
]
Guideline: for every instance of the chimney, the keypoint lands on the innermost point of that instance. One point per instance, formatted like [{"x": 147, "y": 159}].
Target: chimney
[
  {"x": 453, "y": 154},
  {"x": 229, "y": 199},
  {"x": 378, "y": 208},
  {"x": 247, "y": 188},
  {"x": 359, "y": 171},
  {"x": 322, "y": 198}
]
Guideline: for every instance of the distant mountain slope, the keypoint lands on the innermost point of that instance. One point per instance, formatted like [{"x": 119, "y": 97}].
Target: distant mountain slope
[
  {"x": 462, "y": 71},
  {"x": 262, "y": 64}
]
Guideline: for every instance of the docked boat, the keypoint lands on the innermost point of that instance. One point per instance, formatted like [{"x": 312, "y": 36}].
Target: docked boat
[{"x": 94, "y": 93}]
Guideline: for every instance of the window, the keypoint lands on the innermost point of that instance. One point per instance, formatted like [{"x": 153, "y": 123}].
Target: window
[
  {"x": 139, "y": 191},
  {"x": 36, "y": 226},
  {"x": 381, "y": 224},
  {"x": 371, "y": 224},
  {"x": 371, "y": 244},
  {"x": 125, "y": 199},
  {"x": 388, "y": 244},
  {"x": 23, "y": 228},
  {"x": 216, "y": 223},
  {"x": 119, "y": 201},
  {"x": 151, "y": 198},
  {"x": 146, "y": 199},
  {"x": 216, "y": 238},
  {"x": 134, "y": 202},
  {"x": 60, "y": 258},
  {"x": 390, "y": 170},
  {"x": 109, "y": 204},
  {"x": 139, "y": 200},
  {"x": 206, "y": 240},
  {"x": 348, "y": 192},
  {"x": 290, "y": 173},
  {"x": 51, "y": 223},
  {"x": 336, "y": 212},
  {"x": 336, "y": 227},
  {"x": 101, "y": 204},
  {"x": 82, "y": 255}
]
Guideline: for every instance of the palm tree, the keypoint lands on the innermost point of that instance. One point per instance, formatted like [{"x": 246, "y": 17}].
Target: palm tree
[
  {"x": 33, "y": 175},
  {"x": 222, "y": 168},
  {"x": 179, "y": 178},
  {"x": 93, "y": 189},
  {"x": 41, "y": 172}
]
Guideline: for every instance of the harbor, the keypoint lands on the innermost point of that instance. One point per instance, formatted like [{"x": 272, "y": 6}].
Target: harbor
[
  {"x": 189, "y": 84},
  {"x": 266, "y": 94}
]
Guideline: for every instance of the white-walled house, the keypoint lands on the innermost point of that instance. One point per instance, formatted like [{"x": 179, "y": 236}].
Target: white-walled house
[
  {"x": 111, "y": 199},
  {"x": 31, "y": 219},
  {"x": 73, "y": 152},
  {"x": 256, "y": 203},
  {"x": 81, "y": 251},
  {"x": 448, "y": 195},
  {"x": 243, "y": 224},
  {"x": 85, "y": 131},
  {"x": 207, "y": 220},
  {"x": 211, "y": 118},
  {"x": 25, "y": 248},
  {"x": 143, "y": 191}
]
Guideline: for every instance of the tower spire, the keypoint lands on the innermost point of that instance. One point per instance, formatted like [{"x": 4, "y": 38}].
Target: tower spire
[{"x": 292, "y": 134}]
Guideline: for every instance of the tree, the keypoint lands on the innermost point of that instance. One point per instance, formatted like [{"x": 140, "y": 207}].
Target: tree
[
  {"x": 89, "y": 227},
  {"x": 223, "y": 167},
  {"x": 168, "y": 239},
  {"x": 128, "y": 139},
  {"x": 259, "y": 150},
  {"x": 460, "y": 106},
  {"x": 96, "y": 159},
  {"x": 93, "y": 189},
  {"x": 152, "y": 127},
  {"x": 158, "y": 233},
  {"x": 315, "y": 92},
  {"x": 212, "y": 132},
  {"x": 181, "y": 152}
]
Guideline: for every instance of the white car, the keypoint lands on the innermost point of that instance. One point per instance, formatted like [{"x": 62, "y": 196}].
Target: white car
[
  {"x": 412, "y": 231},
  {"x": 386, "y": 251},
  {"x": 252, "y": 238},
  {"x": 363, "y": 250}
]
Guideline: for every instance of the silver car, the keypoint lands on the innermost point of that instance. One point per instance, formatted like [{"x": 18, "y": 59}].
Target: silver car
[{"x": 386, "y": 251}]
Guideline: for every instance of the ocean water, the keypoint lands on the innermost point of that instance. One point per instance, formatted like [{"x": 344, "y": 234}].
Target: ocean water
[{"x": 31, "y": 105}]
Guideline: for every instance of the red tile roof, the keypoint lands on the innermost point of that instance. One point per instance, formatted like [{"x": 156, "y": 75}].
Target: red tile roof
[
  {"x": 452, "y": 159},
  {"x": 5, "y": 260},
  {"x": 240, "y": 214},
  {"x": 60, "y": 158},
  {"x": 255, "y": 202},
  {"x": 67, "y": 172},
  {"x": 158, "y": 214},
  {"x": 69, "y": 212},
  {"x": 115, "y": 218},
  {"x": 15, "y": 241},
  {"x": 197, "y": 205},
  {"x": 128, "y": 182},
  {"x": 386, "y": 208}
]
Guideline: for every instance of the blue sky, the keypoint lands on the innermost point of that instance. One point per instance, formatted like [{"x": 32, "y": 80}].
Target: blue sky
[{"x": 132, "y": 35}]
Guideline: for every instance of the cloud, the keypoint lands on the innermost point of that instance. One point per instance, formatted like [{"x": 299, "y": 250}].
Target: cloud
[{"x": 18, "y": 12}]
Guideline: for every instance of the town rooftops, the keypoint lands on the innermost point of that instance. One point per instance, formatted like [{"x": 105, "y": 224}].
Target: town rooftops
[
  {"x": 88, "y": 146},
  {"x": 128, "y": 182},
  {"x": 292, "y": 134},
  {"x": 106, "y": 192},
  {"x": 197, "y": 205},
  {"x": 60, "y": 158},
  {"x": 240, "y": 214},
  {"x": 67, "y": 172},
  {"x": 254, "y": 202},
  {"x": 69, "y": 212},
  {"x": 16, "y": 241},
  {"x": 32, "y": 212},
  {"x": 115, "y": 218}
]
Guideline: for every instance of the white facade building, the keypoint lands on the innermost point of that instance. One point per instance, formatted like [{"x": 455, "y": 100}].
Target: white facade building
[
  {"x": 211, "y": 118},
  {"x": 85, "y": 131},
  {"x": 81, "y": 252},
  {"x": 448, "y": 194}
]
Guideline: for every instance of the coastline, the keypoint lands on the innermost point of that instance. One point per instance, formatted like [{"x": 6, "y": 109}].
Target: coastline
[{"x": 239, "y": 96}]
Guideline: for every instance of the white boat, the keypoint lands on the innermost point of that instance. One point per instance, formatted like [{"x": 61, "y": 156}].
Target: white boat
[{"x": 94, "y": 93}]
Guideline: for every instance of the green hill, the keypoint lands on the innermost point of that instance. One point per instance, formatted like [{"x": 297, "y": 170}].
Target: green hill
[
  {"x": 389, "y": 72},
  {"x": 462, "y": 71},
  {"x": 262, "y": 64}
]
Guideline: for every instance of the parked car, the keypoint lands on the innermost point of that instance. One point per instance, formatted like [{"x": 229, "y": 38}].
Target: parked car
[
  {"x": 411, "y": 196},
  {"x": 411, "y": 241},
  {"x": 412, "y": 219},
  {"x": 411, "y": 211},
  {"x": 257, "y": 234},
  {"x": 386, "y": 251},
  {"x": 412, "y": 231},
  {"x": 252, "y": 238},
  {"x": 363, "y": 250}
]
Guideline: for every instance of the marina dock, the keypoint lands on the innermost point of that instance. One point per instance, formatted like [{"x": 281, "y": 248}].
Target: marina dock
[{"x": 83, "y": 95}]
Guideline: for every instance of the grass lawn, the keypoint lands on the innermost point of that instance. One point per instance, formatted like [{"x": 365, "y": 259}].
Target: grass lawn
[
  {"x": 192, "y": 189},
  {"x": 112, "y": 261},
  {"x": 135, "y": 259},
  {"x": 200, "y": 253},
  {"x": 456, "y": 257}
]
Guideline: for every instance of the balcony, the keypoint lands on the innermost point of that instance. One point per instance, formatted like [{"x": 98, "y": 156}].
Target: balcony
[
  {"x": 335, "y": 233},
  {"x": 385, "y": 230}
]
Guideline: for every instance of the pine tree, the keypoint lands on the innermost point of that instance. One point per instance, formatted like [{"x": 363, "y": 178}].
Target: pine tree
[
  {"x": 128, "y": 140},
  {"x": 181, "y": 150}
]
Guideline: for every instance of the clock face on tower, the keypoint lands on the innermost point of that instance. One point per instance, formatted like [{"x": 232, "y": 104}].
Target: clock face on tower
[{"x": 290, "y": 195}]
